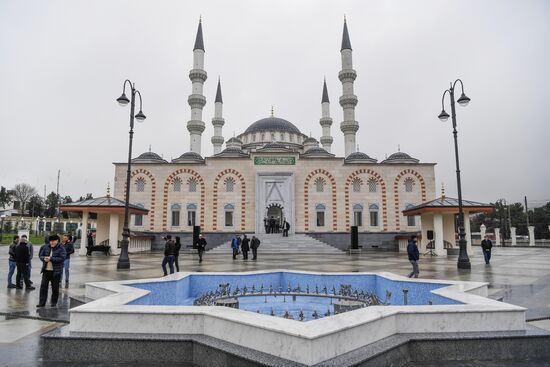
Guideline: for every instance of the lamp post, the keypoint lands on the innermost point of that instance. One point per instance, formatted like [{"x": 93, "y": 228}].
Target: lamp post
[
  {"x": 463, "y": 260},
  {"x": 124, "y": 260}
]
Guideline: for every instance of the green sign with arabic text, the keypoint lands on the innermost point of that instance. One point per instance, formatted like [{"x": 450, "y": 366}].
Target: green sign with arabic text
[{"x": 274, "y": 161}]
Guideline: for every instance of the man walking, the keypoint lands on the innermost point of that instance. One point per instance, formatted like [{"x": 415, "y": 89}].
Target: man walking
[
  {"x": 486, "y": 247},
  {"x": 90, "y": 244},
  {"x": 254, "y": 244},
  {"x": 31, "y": 255},
  {"x": 11, "y": 261},
  {"x": 22, "y": 259},
  {"x": 235, "y": 246},
  {"x": 286, "y": 227},
  {"x": 177, "y": 253},
  {"x": 201, "y": 246},
  {"x": 67, "y": 244},
  {"x": 169, "y": 255},
  {"x": 53, "y": 257},
  {"x": 245, "y": 247},
  {"x": 414, "y": 256}
]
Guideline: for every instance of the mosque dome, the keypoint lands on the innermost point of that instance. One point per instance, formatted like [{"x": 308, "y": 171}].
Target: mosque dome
[
  {"x": 189, "y": 157},
  {"x": 273, "y": 124},
  {"x": 359, "y": 157},
  {"x": 149, "y": 157},
  {"x": 400, "y": 157}
]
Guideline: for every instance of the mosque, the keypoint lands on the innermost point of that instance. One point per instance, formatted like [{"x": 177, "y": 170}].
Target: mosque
[{"x": 273, "y": 169}]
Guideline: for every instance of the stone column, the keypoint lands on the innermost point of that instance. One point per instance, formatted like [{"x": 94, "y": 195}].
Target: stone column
[
  {"x": 438, "y": 234},
  {"x": 531, "y": 235},
  {"x": 497, "y": 237},
  {"x": 114, "y": 232},
  {"x": 513, "y": 235},
  {"x": 468, "y": 231},
  {"x": 84, "y": 234}
]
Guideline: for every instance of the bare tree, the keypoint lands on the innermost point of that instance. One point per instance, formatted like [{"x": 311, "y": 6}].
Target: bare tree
[{"x": 23, "y": 193}]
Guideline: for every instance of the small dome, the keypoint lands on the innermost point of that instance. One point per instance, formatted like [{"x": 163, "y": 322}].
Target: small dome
[
  {"x": 317, "y": 152},
  {"x": 310, "y": 140},
  {"x": 273, "y": 124},
  {"x": 400, "y": 157},
  {"x": 234, "y": 140},
  {"x": 149, "y": 157},
  {"x": 189, "y": 157},
  {"x": 232, "y": 152},
  {"x": 359, "y": 157}
]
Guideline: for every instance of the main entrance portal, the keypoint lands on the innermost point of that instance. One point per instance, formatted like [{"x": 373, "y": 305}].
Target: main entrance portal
[{"x": 274, "y": 198}]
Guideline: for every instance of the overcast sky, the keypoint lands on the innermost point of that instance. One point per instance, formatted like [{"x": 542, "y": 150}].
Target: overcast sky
[{"x": 62, "y": 64}]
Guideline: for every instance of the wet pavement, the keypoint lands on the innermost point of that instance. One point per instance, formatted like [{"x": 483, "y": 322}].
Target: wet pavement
[{"x": 519, "y": 276}]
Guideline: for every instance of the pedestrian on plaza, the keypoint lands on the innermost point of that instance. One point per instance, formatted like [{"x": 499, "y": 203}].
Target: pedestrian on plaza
[
  {"x": 201, "y": 246},
  {"x": 177, "y": 253},
  {"x": 486, "y": 247},
  {"x": 254, "y": 244},
  {"x": 271, "y": 225},
  {"x": 235, "y": 246},
  {"x": 266, "y": 225},
  {"x": 245, "y": 246},
  {"x": 22, "y": 258},
  {"x": 414, "y": 256},
  {"x": 31, "y": 255},
  {"x": 11, "y": 261},
  {"x": 169, "y": 255},
  {"x": 53, "y": 257},
  {"x": 68, "y": 245},
  {"x": 286, "y": 227}
]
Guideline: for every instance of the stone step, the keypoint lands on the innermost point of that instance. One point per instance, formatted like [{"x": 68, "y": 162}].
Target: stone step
[{"x": 277, "y": 244}]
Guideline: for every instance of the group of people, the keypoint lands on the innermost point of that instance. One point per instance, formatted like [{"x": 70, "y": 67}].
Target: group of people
[
  {"x": 244, "y": 245},
  {"x": 172, "y": 252},
  {"x": 272, "y": 225},
  {"x": 55, "y": 256}
]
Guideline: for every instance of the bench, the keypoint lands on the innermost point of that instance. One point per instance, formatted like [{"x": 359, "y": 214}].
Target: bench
[{"x": 105, "y": 249}]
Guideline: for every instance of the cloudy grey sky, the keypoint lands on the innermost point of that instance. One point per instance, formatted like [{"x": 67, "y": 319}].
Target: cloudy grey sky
[{"x": 62, "y": 64}]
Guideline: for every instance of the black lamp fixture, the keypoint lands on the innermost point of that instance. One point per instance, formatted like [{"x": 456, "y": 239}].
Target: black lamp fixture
[
  {"x": 463, "y": 259},
  {"x": 124, "y": 260}
]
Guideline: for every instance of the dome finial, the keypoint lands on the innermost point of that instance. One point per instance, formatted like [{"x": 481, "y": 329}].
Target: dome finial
[
  {"x": 399, "y": 147},
  {"x": 442, "y": 190},
  {"x": 149, "y": 148},
  {"x": 272, "y": 111},
  {"x": 358, "y": 147},
  {"x": 108, "y": 190}
]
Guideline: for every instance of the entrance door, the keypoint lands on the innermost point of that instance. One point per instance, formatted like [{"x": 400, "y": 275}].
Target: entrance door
[
  {"x": 274, "y": 197},
  {"x": 275, "y": 212}
]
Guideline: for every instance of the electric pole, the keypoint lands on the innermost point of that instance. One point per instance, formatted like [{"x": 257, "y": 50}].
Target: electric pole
[
  {"x": 58, "y": 198},
  {"x": 526, "y": 211}
]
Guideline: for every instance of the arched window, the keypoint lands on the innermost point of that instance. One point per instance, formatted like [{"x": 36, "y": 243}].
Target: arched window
[
  {"x": 229, "y": 209},
  {"x": 229, "y": 184},
  {"x": 373, "y": 215},
  {"x": 372, "y": 183},
  {"x": 356, "y": 184},
  {"x": 358, "y": 215},
  {"x": 320, "y": 184},
  {"x": 320, "y": 212},
  {"x": 411, "y": 219},
  {"x": 263, "y": 137},
  {"x": 272, "y": 136},
  {"x": 253, "y": 137},
  {"x": 291, "y": 138},
  {"x": 409, "y": 184},
  {"x": 176, "y": 184},
  {"x": 140, "y": 184},
  {"x": 176, "y": 210},
  {"x": 282, "y": 137},
  {"x": 192, "y": 183}
]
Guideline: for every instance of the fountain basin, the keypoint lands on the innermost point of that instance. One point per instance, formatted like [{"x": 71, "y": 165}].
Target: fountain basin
[{"x": 164, "y": 306}]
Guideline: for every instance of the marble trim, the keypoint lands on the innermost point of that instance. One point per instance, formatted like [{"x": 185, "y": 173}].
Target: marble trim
[{"x": 304, "y": 342}]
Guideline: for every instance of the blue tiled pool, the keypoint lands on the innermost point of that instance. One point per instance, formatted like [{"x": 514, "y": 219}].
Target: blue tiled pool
[{"x": 184, "y": 291}]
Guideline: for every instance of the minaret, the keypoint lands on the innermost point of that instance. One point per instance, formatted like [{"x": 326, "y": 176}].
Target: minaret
[
  {"x": 196, "y": 100},
  {"x": 348, "y": 101},
  {"x": 325, "y": 121},
  {"x": 218, "y": 121}
]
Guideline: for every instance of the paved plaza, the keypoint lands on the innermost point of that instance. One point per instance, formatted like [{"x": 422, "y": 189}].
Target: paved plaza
[{"x": 519, "y": 276}]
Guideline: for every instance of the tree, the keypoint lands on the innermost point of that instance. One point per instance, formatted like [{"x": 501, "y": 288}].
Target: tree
[
  {"x": 23, "y": 192},
  {"x": 51, "y": 205},
  {"x": 87, "y": 197},
  {"x": 541, "y": 220},
  {"x": 67, "y": 199},
  {"x": 8, "y": 226},
  {"x": 5, "y": 197},
  {"x": 36, "y": 206}
]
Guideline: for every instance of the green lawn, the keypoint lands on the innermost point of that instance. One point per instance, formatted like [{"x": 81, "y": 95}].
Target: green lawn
[{"x": 7, "y": 238}]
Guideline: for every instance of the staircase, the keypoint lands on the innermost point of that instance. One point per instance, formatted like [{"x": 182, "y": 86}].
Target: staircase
[{"x": 276, "y": 244}]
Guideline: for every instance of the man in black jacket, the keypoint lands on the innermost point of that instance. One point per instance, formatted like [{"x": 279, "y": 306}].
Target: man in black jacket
[
  {"x": 245, "y": 246},
  {"x": 414, "y": 256},
  {"x": 67, "y": 244},
  {"x": 486, "y": 247},
  {"x": 53, "y": 257},
  {"x": 201, "y": 246},
  {"x": 11, "y": 262},
  {"x": 254, "y": 244},
  {"x": 169, "y": 255},
  {"x": 22, "y": 258}
]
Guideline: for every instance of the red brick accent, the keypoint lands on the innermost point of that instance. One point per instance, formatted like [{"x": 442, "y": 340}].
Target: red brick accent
[
  {"x": 306, "y": 198},
  {"x": 165, "y": 198},
  {"x": 153, "y": 190},
  {"x": 407, "y": 171},
  {"x": 383, "y": 190},
  {"x": 229, "y": 171}
]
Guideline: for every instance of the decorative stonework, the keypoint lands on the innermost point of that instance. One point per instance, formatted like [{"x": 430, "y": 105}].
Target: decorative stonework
[
  {"x": 407, "y": 171},
  {"x": 153, "y": 194},
  {"x": 215, "y": 193},
  {"x": 378, "y": 179},
  {"x": 272, "y": 161},
  {"x": 306, "y": 198},
  {"x": 167, "y": 184}
]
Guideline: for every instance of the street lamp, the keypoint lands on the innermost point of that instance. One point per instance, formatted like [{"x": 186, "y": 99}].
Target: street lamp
[
  {"x": 124, "y": 260},
  {"x": 463, "y": 260}
]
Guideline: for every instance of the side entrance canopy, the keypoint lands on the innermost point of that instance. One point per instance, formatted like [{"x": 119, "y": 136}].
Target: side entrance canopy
[
  {"x": 437, "y": 218},
  {"x": 110, "y": 219}
]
